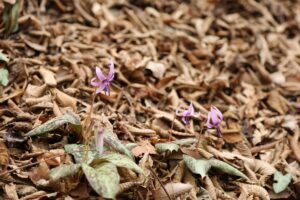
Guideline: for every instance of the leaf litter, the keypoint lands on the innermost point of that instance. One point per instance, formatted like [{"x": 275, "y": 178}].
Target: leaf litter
[{"x": 234, "y": 65}]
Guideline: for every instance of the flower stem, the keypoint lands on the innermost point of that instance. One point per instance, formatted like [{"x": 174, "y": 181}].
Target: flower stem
[{"x": 219, "y": 132}]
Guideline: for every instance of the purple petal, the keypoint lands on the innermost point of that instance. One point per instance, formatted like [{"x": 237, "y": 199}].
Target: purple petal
[
  {"x": 100, "y": 75},
  {"x": 191, "y": 109},
  {"x": 208, "y": 124},
  {"x": 111, "y": 72},
  {"x": 100, "y": 88},
  {"x": 219, "y": 114},
  {"x": 185, "y": 120},
  {"x": 214, "y": 117},
  {"x": 94, "y": 83}
]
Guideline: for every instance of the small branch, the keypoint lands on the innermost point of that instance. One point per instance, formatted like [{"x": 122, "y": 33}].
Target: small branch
[{"x": 153, "y": 172}]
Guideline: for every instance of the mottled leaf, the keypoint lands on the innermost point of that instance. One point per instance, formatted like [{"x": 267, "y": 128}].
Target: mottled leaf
[
  {"x": 281, "y": 181},
  {"x": 3, "y": 77},
  {"x": 64, "y": 170},
  {"x": 78, "y": 151},
  {"x": 187, "y": 141},
  {"x": 4, "y": 58},
  {"x": 55, "y": 123},
  {"x": 168, "y": 146},
  {"x": 120, "y": 161},
  {"x": 199, "y": 166},
  {"x": 116, "y": 144},
  {"x": 226, "y": 168},
  {"x": 104, "y": 179}
]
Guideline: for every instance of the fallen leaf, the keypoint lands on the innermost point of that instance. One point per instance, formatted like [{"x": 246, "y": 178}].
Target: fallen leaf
[
  {"x": 4, "y": 155},
  {"x": 281, "y": 181},
  {"x": 157, "y": 69},
  {"x": 277, "y": 102},
  {"x": 64, "y": 99},
  {"x": 143, "y": 147},
  {"x": 48, "y": 76},
  {"x": 173, "y": 189},
  {"x": 11, "y": 192}
]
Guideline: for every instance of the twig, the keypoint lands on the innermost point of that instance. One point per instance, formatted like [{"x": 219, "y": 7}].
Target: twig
[
  {"x": 153, "y": 172},
  {"x": 264, "y": 147}
]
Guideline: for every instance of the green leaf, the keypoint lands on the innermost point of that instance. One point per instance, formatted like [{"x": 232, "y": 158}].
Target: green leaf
[
  {"x": 55, "y": 123},
  {"x": 3, "y": 77},
  {"x": 116, "y": 144},
  {"x": 226, "y": 168},
  {"x": 3, "y": 57},
  {"x": 281, "y": 181},
  {"x": 168, "y": 146},
  {"x": 120, "y": 161},
  {"x": 187, "y": 141},
  {"x": 64, "y": 170},
  {"x": 199, "y": 166},
  {"x": 77, "y": 150},
  {"x": 104, "y": 179}
]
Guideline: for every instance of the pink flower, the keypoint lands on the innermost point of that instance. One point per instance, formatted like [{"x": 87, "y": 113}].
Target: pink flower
[
  {"x": 103, "y": 81},
  {"x": 214, "y": 119},
  {"x": 185, "y": 115}
]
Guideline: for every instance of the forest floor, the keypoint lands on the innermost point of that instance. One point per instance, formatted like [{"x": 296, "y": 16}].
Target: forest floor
[{"x": 61, "y": 140}]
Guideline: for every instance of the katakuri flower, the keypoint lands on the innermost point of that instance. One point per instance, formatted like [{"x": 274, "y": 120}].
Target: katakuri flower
[
  {"x": 185, "y": 115},
  {"x": 99, "y": 139},
  {"x": 214, "y": 119},
  {"x": 103, "y": 81}
]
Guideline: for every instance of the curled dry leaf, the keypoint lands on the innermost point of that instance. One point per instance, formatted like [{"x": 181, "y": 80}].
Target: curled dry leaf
[
  {"x": 143, "y": 147},
  {"x": 48, "y": 76},
  {"x": 256, "y": 190},
  {"x": 173, "y": 189},
  {"x": 157, "y": 69},
  {"x": 11, "y": 192},
  {"x": 64, "y": 99}
]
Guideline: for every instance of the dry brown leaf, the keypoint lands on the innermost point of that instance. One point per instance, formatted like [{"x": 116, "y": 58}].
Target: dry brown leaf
[
  {"x": 48, "y": 76},
  {"x": 173, "y": 189},
  {"x": 64, "y": 99},
  {"x": 209, "y": 186},
  {"x": 157, "y": 69},
  {"x": 4, "y": 155},
  {"x": 11, "y": 191},
  {"x": 144, "y": 147},
  {"x": 256, "y": 190},
  {"x": 35, "y": 91},
  {"x": 277, "y": 102}
]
